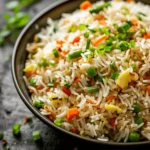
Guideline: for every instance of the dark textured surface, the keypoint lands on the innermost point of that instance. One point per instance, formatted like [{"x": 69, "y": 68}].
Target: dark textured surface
[{"x": 12, "y": 109}]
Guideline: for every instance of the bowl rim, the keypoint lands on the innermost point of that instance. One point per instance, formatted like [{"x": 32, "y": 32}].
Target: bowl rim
[{"x": 30, "y": 106}]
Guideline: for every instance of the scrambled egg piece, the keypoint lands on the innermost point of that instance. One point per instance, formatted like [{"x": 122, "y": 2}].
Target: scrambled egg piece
[
  {"x": 29, "y": 68},
  {"x": 123, "y": 79},
  {"x": 113, "y": 108},
  {"x": 54, "y": 99}
]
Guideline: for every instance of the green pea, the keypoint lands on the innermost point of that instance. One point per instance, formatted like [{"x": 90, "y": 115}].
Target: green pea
[
  {"x": 32, "y": 82},
  {"x": 134, "y": 137},
  {"x": 136, "y": 108},
  {"x": 138, "y": 120}
]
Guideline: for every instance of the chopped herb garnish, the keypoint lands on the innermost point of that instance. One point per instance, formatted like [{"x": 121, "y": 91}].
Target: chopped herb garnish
[
  {"x": 16, "y": 129},
  {"x": 58, "y": 121},
  {"x": 132, "y": 43},
  {"x": 86, "y": 35},
  {"x": 89, "y": 84},
  {"x": 73, "y": 28},
  {"x": 92, "y": 49},
  {"x": 133, "y": 67},
  {"x": 74, "y": 55},
  {"x": 32, "y": 82},
  {"x": 108, "y": 48},
  {"x": 43, "y": 63},
  {"x": 143, "y": 31},
  {"x": 6, "y": 147},
  {"x": 93, "y": 30},
  {"x": 91, "y": 72},
  {"x": 50, "y": 84},
  {"x": 113, "y": 66},
  {"x": 121, "y": 37},
  {"x": 99, "y": 8},
  {"x": 67, "y": 84},
  {"x": 98, "y": 78},
  {"x": 82, "y": 27},
  {"x": 55, "y": 53},
  {"x": 38, "y": 104},
  {"x": 36, "y": 135},
  {"x": 124, "y": 27},
  {"x": 107, "y": 32},
  {"x": 93, "y": 89},
  {"x": 123, "y": 45},
  {"x": 109, "y": 41},
  {"x": 142, "y": 14},
  {"x": 92, "y": 123},
  {"x": 52, "y": 62},
  {"x": 55, "y": 27},
  {"x": 114, "y": 75},
  {"x": 88, "y": 44},
  {"x": 1, "y": 135}
]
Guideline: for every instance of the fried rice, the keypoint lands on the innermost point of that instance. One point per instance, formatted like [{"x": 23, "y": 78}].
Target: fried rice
[{"x": 89, "y": 72}]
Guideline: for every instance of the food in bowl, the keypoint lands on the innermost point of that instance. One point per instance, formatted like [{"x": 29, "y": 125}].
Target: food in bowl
[{"x": 89, "y": 72}]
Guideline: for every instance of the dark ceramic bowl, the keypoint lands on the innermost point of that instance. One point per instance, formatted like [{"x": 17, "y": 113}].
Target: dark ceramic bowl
[{"x": 19, "y": 57}]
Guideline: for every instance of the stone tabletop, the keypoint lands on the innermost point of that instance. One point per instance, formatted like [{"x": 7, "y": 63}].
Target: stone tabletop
[{"x": 13, "y": 110}]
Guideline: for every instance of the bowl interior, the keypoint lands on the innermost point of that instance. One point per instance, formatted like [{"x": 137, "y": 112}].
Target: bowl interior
[{"x": 20, "y": 54}]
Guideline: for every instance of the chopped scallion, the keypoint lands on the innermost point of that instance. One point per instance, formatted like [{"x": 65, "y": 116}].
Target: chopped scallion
[
  {"x": 58, "y": 121},
  {"x": 16, "y": 129},
  {"x": 82, "y": 27},
  {"x": 88, "y": 44},
  {"x": 1, "y": 135},
  {"x": 93, "y": 89},
  {"x": 32, "y": 82},
  {"x": 113, "y": 66},
  {"x": 86, "y": 35},
  {"x": 74, "y": 55},
  {"x": 73, "y": 28},
  {"x": 123, "y": 45},
  {"x": 50, "y": 84},
  {"x": 133, "y": 67},
  {"x": 124, "y": 27},
  {"x": 99, "y": 8},
  {"x": 91, "y": 72},
  {"x": 98, "y": 78},
  {"x": 43, "y": 63},
  {"x": 132, "y": 43},
  {"x": 36, "y": 135},
  {"x": 55, "y": 53},
  {"x": 38, "y": 104},
  {"x": 114, "y": 75}
]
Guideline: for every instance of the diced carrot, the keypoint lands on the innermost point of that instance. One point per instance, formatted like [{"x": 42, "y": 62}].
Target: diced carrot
[
  {"x": 103, "y": 22},
  {"x": 76, "y": 40},
  {"x": 85, "y": 5},
  {"x": 60, "y": 42},
  {"x": 147, "y": 35},
  {"x": 39, "y": 87},
  {"x": 129, "y": 1},
  {"x": 100, "y": 40},
  {"x": 76, "y": 80},
  {"x": 135, "y": 21},
  {"x": 148, "y": 90},
  {"x": 71, "y": 113},
  {"x": 74, "y": 130},
  {"x": 31, "y": 91},
  {"x": 112, "y": 123},
  {"x": 146, "y": 77},
  {"x": 110, "y": 97},
  {"x": 65, "y": 52},
  {"x": 66, "y": 91}
]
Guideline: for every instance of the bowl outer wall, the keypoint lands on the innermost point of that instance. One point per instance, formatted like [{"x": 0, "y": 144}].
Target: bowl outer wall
[{"x": 19, "y": 57}]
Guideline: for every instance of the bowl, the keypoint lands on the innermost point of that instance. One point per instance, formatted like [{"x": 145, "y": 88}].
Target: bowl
[{"x": 20, "y": 54}]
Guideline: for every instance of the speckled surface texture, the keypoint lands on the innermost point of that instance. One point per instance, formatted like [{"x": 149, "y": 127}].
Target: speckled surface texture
[{"x": 13, "y": 110}]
